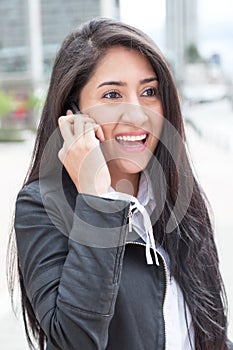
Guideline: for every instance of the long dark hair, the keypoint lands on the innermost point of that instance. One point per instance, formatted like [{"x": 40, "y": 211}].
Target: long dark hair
[{"x": 190, "y": 245}]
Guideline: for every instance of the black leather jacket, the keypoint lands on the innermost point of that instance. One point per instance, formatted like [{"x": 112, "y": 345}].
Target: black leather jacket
[{"x": 86, "y": 278}]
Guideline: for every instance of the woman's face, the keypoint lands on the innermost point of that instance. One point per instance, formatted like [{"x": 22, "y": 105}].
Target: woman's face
[{"x": 122, "y": 96}]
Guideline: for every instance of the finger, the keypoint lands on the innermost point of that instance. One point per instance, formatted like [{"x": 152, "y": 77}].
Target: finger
[
  {"x": 66, "y": 127},
  {"x": 69, "y": 117},
  {"x": 61, "y": 155},
  {"x": 99, "y": 132},
  {"x": 66, "y": 118},
  {"x": 78, "y": 126},
  {"x": 97, "y": 128},
  {"x": 89, "y": 133},
  {"x": 79, "y": 122}
]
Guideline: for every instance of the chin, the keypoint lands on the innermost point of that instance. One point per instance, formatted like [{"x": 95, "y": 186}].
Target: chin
[{"x": 128, "y": 166}]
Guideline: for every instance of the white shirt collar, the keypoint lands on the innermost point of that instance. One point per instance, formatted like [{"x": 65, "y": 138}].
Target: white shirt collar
[
  {"x": 145, "y": 204},
  {"x": 145, "y": 194}
]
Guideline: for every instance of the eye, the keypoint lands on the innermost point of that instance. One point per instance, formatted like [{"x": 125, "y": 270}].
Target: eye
[
  {"x": 113, "y": 94},
  {"x": 150, "y": 92}
]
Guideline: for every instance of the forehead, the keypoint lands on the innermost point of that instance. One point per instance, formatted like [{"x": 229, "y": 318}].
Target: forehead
[{"x": 126, "y": 60}]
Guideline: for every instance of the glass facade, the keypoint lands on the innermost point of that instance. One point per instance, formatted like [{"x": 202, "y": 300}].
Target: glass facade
[
  {"x": 57, "y": 18},
  {"x": 13, "y": 36},
  {"x": 181, "y": 32}
]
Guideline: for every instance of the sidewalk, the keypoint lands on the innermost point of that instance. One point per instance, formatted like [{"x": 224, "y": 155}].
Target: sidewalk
[
  {"x": 212, "y": 156},
  {"x": 14, "y": 160},
  {"x": 214, "y": 166}
]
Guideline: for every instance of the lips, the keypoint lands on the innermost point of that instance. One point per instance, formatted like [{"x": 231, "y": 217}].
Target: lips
[{"x": 132, "y": 142}]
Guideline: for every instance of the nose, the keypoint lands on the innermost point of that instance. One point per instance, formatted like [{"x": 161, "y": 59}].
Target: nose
[{"x": 133, "y": 114}]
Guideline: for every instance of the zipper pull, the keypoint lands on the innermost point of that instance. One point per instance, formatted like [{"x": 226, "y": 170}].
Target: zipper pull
[{"x": 130, "y": 219}]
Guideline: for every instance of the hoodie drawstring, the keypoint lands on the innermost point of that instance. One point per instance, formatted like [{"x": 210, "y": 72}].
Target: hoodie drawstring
[{"x": 150, "y": 242}]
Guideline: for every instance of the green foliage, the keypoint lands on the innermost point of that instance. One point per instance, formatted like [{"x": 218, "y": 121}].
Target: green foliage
[
  {"x": 33, "y": 102},
  {"x": 193, "y": 55},
  {"x": 17, "y": 114},
  {"x": 11, "y": 135},
  {"x": 6, "y": 104}
]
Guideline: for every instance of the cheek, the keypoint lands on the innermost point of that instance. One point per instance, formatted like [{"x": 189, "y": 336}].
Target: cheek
[
  {"x": 152, "y": 144},
  {"x": 157, "y": 126},
  {"x": 108, "y": 130}
]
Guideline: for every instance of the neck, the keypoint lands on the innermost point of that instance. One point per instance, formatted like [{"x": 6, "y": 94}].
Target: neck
[{"x": 125, "y": 183}]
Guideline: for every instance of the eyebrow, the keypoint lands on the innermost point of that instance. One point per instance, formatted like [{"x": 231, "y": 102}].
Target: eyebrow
[
  {"x": 121, "y": 83},
  {"x": 148, "y": 80},
  {"x": 118, "y": 83}
]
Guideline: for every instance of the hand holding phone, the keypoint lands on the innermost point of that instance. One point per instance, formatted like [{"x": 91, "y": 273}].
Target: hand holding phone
[
  {"x": 97, "y": 128},
  {"x": 81, "y": 153}
]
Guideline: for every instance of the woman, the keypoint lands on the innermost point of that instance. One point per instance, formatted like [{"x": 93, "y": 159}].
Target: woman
[{"x": 108, "y": 164}]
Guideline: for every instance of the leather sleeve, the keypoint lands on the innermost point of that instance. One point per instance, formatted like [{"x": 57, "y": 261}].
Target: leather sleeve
[{"x": 71, "y": 278}]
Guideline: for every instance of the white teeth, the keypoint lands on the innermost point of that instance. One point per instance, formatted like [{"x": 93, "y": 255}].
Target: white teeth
[{"x": 131, "y": 138}]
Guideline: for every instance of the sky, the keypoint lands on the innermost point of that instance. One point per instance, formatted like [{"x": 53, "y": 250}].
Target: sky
[
  {"x": 216, "y": 30},
  {"x": 147, "y": 15},
  {"x": 215, "y": 23}
]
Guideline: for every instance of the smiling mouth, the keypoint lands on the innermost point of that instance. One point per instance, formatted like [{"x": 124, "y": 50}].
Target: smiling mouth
[
  {"x": 138, "y": 139},
  {"x": 132, "y": 143}
]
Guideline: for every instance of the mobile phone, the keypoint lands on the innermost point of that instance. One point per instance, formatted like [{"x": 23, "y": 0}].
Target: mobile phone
[{"x": 74, "y": 108}]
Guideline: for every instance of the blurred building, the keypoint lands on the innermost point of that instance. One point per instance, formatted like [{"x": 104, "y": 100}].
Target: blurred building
[
  {"x": 181, "y": 33},
  {"x": 32, "y": 30}
]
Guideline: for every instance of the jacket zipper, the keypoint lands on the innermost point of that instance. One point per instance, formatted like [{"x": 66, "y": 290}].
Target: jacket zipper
[
  {"x": 165, "y": 295},
  {"x": 164, "y": 266},
  {"x": 129, "y": 216}
]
